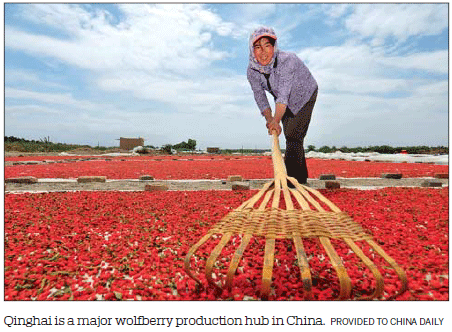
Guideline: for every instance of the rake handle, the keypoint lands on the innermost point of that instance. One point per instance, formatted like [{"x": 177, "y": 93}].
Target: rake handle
[{"x": 278, "y": 163}]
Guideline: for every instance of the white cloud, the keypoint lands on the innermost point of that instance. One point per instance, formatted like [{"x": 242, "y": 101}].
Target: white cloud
[
  {"x": 359, "y": 68},
  {"x": 150, "y": 37},
  {"x": 249, "y": 12},
  {"x": 434, "y": 62},
  {"x": 401, "y": 21},
  {"x": 21, "y": 110},
  {"x": 336, "y": 10},
  {"x": 350, "y": 119},
  {"x": 21, "y": 77},
  {"x": 352, "y": 107},
  {"x": 50, "y": 98},
  {"x": 54, "y": 98},
  {"x": 202, "y": 94},
  {"x": 61, "y": 16}
]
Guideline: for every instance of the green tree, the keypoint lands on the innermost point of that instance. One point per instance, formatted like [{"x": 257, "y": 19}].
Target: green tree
[
  {"x": 167, "y": 149},
  {"x": 191, "y": 144},
  {"x": 325, "y": 149}
]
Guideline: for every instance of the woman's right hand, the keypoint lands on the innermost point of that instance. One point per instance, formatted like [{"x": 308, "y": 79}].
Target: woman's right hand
[
  {"x": 274, "y": 126},
  {"x": 268, "y": 116}
]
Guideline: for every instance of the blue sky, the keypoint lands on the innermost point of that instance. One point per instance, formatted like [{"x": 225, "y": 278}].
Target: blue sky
[{"x": 89, "y": 74}]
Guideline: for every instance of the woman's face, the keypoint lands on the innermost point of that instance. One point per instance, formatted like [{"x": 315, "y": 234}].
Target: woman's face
[{"x": 263, "y": 51}]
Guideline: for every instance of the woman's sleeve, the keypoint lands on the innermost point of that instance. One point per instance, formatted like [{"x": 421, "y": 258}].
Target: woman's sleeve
[
  {"x": 258, "y": 90},
  {"x": 286, "y": 80}
]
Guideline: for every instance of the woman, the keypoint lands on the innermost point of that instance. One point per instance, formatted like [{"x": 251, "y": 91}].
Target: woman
[{"x": 294, "y": 89}]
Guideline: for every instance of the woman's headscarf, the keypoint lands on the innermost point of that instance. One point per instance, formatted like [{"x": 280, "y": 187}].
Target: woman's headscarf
[{"x": 259, "y": 33}]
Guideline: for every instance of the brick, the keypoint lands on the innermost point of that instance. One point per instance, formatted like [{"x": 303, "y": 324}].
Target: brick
[
  {"x": 391, "y": 175},
  {"x": 155, "y": 187},
  {"x": 441, "y": 175},
  {"x": 431, "y": 183},
  {"x": 146, "y": 177},
  {"x": 332, "y": 185},
  {"x": 233, "y": 178},
  {"x": 89, "y": 179},
  {"x": 327, "y": 177},
  {"x": 23, "y": 179},
  {"x": 240, "y": 186}
]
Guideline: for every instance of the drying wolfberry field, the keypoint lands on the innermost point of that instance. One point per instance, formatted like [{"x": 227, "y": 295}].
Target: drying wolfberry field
[
  {"x": 200, "y": 167},
  {"x": 131, "y": 245}
]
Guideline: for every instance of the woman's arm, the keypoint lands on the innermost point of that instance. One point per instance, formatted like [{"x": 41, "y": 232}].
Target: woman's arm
[
  {"x": 258, "y": 91},
  {"x": 274, "y": 123},
  {"x": 279, "y": 112},
  {"x": 267, "y": 113}
]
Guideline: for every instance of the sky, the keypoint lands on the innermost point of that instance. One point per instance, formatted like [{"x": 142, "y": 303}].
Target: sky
[{"x": 92, "y": 73}]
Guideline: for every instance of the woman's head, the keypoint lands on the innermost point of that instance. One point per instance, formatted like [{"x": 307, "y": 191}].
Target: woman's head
[{"x": 263, "y": 48}]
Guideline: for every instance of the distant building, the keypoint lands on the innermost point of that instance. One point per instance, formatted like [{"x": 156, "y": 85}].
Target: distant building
[
  {"x": 127, "y": 143},
  {"x": 213, "y": 150}
]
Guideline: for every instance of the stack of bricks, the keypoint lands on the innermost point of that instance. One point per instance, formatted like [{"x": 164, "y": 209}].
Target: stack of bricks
[
  {"x": 89, "y": 179},
  {"x": 23, "y": 179}
]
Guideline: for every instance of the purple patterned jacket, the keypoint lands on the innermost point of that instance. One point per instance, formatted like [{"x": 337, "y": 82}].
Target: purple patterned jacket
[{"x": 290, "y": 80}]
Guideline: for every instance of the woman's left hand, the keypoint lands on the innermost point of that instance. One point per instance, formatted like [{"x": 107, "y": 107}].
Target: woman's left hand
[{"x": 274, "y": 125}]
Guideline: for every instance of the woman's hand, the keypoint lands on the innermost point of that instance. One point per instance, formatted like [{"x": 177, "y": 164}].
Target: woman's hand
[{"x": 274, "y": 125}]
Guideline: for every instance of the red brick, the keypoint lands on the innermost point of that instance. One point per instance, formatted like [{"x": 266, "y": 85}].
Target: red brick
[
  {"x": 23, "y": 179},
  {"x": 88, "y": 179},
  {"x": 332, "y": 184},
  {"x": 431, "y": 183},
  {"x": 233, "y": 178},
  {"x": 391, "y": 175},
  {"x": 327, "y": 177},
  {"x": 241, "y": 186},
  {"x": 155, "y": 187}
]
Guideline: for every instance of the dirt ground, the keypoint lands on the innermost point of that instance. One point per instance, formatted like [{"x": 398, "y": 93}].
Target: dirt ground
[{"x": 50, "y": 185}]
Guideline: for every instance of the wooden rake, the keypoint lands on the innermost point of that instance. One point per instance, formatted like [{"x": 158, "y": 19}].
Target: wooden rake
[{"x": 262, "y": 216}]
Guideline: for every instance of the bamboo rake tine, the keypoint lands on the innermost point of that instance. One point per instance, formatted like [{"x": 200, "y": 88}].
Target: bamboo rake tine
[
  {"x": 344, "y": 279},
  {"x": 317, "y": 194},
  {"x": 269, "y": 254},
  {"x": 303, "y": 203},
  {"x": 301, "y": 190},
  {"x": 268, "y": 267},
  {"x": 211, "y": 261},
  {"x": 303, "y": 264},
  {"x": 245, "y": 241},
  {"x": 302, "y": 258},
  {"x": 266, "y": 200},
  {"x": 250, "y": 203},
  {"x": 190, "y": 253},
  {"x": 287, "y": 198},
  {"x": 276, "y": 195},
  {"x": 372, "y": 267},
  {"x": 236, "y": 259},
  {"x": 400, "y": 272}
]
